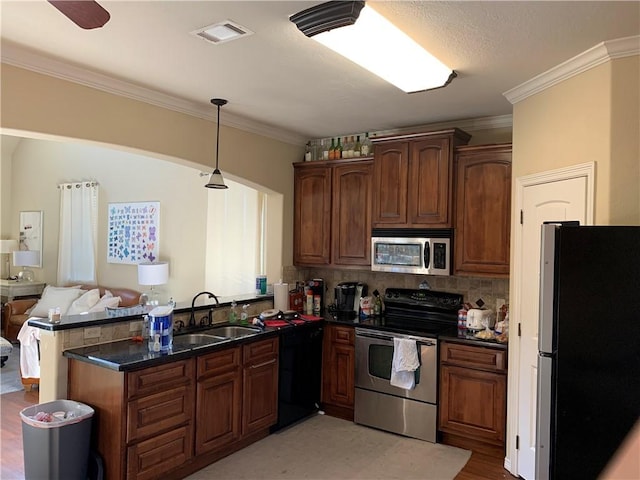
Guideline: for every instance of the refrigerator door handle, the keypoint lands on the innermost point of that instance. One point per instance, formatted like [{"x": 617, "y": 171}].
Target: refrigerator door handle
[{"x": 544, "y": 415}]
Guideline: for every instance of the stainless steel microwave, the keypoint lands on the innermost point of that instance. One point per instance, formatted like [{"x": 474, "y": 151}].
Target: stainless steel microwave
[{"x": 426, "y": 252}]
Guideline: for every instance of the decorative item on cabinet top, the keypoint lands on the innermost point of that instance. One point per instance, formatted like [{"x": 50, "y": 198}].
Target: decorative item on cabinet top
[{"x": 335, "y": 148}]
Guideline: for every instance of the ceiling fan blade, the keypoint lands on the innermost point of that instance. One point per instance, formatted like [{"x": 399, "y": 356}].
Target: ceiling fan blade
[{"x": 86, "y": 14}]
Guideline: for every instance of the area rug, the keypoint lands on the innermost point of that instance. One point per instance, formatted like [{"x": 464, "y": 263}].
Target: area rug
[
  {"x": 325, "y": 447},
  {"x": 10, "y": 373}
]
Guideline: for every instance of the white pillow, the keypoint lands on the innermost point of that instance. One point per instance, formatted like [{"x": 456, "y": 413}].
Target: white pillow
[
  {"x": 53, "y": 297},
  {"x": 104, "y": 302},
  {"x": 85, "y": 302}
]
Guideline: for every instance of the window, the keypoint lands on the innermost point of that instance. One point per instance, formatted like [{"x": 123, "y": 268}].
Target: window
[{"x": 237, "y": 236}]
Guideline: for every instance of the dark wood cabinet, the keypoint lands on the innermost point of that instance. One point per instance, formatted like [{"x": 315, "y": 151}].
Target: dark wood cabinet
[
  {"x": 260, "y": 385},
  {"x": 178, "y": 417},
  {"x": 218, "y": 400},
  {"x": 332, "y": 213},
  {"x": 413, "y": 179},
  {"x": 473, "y": 390},
  {"x": 312, "y": 215},
  {"x": 483, "y": 210},
  {"x": 338, "y": 371}
]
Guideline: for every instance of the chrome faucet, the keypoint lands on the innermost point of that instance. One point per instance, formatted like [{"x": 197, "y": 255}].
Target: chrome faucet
[{"x": 192, "y": 317}]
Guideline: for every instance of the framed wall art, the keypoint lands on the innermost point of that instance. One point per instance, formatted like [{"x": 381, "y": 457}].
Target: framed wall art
[
  {"x": 31, "y": 233},
  {"x": 134, "y": 232}
]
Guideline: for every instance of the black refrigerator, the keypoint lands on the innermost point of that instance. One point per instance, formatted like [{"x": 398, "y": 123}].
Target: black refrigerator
[{"x": 588, "y": 347}]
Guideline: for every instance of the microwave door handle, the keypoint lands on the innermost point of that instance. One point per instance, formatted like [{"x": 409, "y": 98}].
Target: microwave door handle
[{"x": 427, "y": 254}]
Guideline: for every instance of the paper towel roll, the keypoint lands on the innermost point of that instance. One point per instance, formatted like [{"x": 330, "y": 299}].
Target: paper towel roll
[{"x": 281, "y": 296}]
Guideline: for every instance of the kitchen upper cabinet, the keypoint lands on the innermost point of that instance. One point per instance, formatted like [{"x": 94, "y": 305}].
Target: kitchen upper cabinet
[
  {"x": 332, "y": 214},
  {"x": 413, "y": 179},
  {"x": 312, "y": 215},
  {"x": 473, "y": 396},
  {"x": 351, "y": 214},
  {"x": 338, "y": 371},
  {"x": 483, "y": 210}
]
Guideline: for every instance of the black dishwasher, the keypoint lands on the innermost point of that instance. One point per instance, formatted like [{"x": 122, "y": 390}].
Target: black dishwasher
[{"x": 299, "y": 373}]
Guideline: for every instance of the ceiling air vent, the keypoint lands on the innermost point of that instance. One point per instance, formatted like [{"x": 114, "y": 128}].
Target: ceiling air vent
[{"x": 222, "y": 32}]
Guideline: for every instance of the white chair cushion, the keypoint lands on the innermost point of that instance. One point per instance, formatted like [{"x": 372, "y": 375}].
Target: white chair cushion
[
  {"x": 84, "y": 303},
  {"x": 53, "y": 297}
]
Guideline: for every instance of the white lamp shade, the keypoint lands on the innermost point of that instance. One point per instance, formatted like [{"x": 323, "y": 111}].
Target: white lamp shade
[
  {"x": 153, "y": 273},
  {"x": 26, "y": 258},
  {"x": 8, "y": 246}
]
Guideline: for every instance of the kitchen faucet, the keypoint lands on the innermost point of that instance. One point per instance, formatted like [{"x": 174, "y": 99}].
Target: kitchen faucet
[{"x": 192, "y": 318}]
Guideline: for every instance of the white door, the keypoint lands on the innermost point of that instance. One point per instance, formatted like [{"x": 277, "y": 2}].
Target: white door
[{"x": 563, "y": 199}]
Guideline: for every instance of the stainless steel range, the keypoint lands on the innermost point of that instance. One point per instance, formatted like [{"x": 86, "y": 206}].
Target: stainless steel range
[{"x": 418, "y": 315}]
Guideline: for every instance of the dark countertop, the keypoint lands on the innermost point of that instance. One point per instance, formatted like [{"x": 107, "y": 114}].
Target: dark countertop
[
  {"x": 125, "y": 355},
  {"x": 127, "y": 314},
  {"x": 451, "y": 335}
]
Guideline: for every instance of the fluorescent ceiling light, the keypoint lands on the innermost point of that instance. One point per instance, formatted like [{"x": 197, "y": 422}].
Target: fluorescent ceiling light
[{"x": 377, "y": 45}]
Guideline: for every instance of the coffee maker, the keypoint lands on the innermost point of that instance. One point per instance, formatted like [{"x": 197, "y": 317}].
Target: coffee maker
[{"x": 348, "y": 298}]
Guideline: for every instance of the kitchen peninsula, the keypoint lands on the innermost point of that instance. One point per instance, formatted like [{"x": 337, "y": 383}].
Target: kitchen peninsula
[{"x": 114, "y": 324}]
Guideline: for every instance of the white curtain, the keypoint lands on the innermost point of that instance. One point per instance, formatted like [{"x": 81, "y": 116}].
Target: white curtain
[{"x": 77, "y": 247}]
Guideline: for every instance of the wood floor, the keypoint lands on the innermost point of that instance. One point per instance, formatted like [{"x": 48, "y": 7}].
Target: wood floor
[{"x": 479, "y": 467}]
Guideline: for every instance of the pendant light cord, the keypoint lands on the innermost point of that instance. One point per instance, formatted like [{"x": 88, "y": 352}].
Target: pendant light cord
[{"x": 217, "y": 136}]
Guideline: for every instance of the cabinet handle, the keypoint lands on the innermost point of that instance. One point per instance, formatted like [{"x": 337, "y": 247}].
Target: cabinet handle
[{"x": 273, "y": 360}]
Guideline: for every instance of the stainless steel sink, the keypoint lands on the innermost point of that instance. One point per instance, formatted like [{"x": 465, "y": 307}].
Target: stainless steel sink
[
  {"x": 234, "y": 331},
  {"x": 194, "y": 340}
]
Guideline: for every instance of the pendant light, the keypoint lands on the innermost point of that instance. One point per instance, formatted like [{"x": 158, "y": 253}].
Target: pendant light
[{"x": 216, "y": 180}]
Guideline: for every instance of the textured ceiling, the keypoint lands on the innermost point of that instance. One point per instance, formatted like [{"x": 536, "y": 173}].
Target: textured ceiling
[{"x": 280, "y": 78}]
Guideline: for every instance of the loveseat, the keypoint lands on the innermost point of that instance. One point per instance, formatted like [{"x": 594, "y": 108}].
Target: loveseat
[{"x": 15, "y": 312}]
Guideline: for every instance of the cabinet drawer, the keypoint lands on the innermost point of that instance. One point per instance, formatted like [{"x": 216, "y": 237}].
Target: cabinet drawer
[
  {"x": 471, "y": 356},
  {"x": 261, "y": 350},
  {"x": 343, "y": 335},
  {"x": 217, "y": 363},
  {"x": 160, "y": 378},
  {"x": 152, "y": 458},
  {"x": 161, "y": 411}
]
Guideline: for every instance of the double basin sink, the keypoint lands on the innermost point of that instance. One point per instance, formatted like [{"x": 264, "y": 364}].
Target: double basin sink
[{"x": 214, "y": 335}]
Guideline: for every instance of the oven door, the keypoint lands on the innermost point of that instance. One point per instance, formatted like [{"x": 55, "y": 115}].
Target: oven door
[{"x": 374, "y": 356}]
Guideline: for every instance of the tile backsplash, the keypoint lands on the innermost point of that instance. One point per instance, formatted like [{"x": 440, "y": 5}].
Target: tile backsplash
[{"x": 489, "y": 290}]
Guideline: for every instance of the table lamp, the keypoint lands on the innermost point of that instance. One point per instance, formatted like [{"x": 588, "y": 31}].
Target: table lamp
[
  {"x": 152, "y": 274},
  {"x": 7, "y": 247},
  {"x": 26, "y": 258}
]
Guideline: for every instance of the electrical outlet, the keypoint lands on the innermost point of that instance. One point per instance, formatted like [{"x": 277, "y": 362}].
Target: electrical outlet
[{"x": 93, "y": 332}]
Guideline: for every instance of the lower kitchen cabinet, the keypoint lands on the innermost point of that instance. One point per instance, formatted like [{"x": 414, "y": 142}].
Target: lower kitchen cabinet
[
  {"x": 173, "y": 419},
  {"x": 473, "y": 403},
  {"x": 218, "y": 399},
  {"x": 259, "y": 385},
  {"x": 338, "y": 371}
]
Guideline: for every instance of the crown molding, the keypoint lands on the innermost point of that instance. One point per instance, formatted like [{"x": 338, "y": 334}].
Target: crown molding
[
  {"x": 17, "y": 56},
  {"x": 601, "y": 53}
]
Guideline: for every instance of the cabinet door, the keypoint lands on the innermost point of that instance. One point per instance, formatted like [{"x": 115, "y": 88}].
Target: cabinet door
[
  {"x": 430, "y": 183},
  {"x": 351, "y": 229},
  {"x": 338, "y": 368},
  {"x": 483, "y": 211},
  {"x": 391, "y": 169},
  {"x": 473, "y": 403},
  {"x": 260, "y": 396},
  {"x": 312, "y": 221},
  {"x": 218, "y": 399},
  {"x": 218, "y": 404}
]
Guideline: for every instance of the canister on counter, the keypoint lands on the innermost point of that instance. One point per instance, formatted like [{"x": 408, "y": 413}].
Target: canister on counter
[
  {"x": 261, "y": 285},
  {"x": 462, "y": 319}
]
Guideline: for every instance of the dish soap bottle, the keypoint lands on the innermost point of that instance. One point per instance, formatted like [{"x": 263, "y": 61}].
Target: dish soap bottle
[
  {"x": 233, "y": 314},
  {"x": 244, "y": 316}
]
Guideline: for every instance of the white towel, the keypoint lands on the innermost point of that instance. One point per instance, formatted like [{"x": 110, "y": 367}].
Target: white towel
[
  {"x": 29, "y": 358},
  {"x": 405, "y": 363}
]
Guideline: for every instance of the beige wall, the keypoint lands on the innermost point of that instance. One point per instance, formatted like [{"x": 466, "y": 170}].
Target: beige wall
[
  {"x": 592, "y": 117},
  {"x": 42, "y": 106}
]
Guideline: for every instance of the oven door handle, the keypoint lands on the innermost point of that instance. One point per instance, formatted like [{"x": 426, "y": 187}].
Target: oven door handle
[{"x": 388, "y": 338}]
